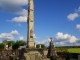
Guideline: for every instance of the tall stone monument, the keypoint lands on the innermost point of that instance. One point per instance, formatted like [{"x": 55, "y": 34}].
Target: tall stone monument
[
  {"x": 31, "y": 53},
  {"x": 30, "y": 21}
]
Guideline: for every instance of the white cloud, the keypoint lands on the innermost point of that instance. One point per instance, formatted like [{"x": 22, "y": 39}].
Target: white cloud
[
  {"x": 35, "y": 36},
  {"x": 14, "y": 2},
  {"x": 19, "y": 24},
  {"x": 78, "y": 26},
  {"x": 20, "y": 19},
  {"x": 38, "y": 42},
  {"x": 65, "y": 38},
  {"x": 77, "y": 10},
  {"x": 72, "y": 16},
  {"x": 45, "y": 42},
  {"x": 60, "y": 35},
  {"x": 61, "y": 39},
  {"x": 73, "y": 39},
  {"x": 22, "y": 12},
  {"x": 21, "y": 38},
  {"x": 13, "y": 6},
  {"x": 77, "y": 44},
  {"x": 8, "y": 36},
  {"x": 14, "y": 32},
  {"x": 60, "y": 43}
]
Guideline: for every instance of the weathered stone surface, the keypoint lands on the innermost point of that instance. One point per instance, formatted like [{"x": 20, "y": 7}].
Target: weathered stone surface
[
  {"x": 78, "y": 57},
  {"x": 51, "y": 50},
  {"x": 30, "y": 21},
  {"x": 46, "y": 59},
  {"x": 33, "y": 55}
]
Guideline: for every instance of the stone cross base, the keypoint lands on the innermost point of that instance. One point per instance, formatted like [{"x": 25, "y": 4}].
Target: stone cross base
[{"x": 33, "y": 55}]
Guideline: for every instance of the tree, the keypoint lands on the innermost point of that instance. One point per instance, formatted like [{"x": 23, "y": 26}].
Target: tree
[
  {"x": 1, "y": 46},
  {"x": 42, "y": 46},
  {"x": 53, "y": 58},
  {"x": 21, "y": 43},
  {"x": 15, "y": 46},
  {"x": 10, "y": 42},
  {"x": 37, "y": 46}
]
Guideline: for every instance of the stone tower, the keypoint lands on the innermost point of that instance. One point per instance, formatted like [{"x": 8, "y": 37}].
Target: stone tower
[
  {"x": 51, "y": 50},
  {"x": 30, "y": 22}
]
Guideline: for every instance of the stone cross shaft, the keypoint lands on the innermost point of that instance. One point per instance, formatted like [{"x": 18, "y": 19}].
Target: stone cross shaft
[{"x": 30, "y": 22}]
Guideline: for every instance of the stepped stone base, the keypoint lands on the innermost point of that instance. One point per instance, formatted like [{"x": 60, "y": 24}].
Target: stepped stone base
[
  {"x": 33, "y": 54},
  {"x": 46, "y": 59}
]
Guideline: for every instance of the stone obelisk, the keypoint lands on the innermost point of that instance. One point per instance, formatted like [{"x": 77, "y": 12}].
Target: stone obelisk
[
  {"x": 31, "y": 53},
  {"x": 30, "y": 22}
]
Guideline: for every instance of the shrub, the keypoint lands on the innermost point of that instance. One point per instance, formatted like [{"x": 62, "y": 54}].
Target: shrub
[{"x": 52, "y": 58}]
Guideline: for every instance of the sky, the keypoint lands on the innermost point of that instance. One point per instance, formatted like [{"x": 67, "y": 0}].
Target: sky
[{"x": 59, "y": 19}]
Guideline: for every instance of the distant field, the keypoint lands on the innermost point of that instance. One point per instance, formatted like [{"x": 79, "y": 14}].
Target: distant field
[
  {"x": 74, "y": 50},
  {"x": 71, "y": 50}
]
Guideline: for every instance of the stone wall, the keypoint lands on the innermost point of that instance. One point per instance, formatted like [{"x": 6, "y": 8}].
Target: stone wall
[
  {"x": 78, "y": 57},
  {"x": 73, "y": 59},
  {"x": 33, "y": 55},
  {"x": 46, "y": 59}
]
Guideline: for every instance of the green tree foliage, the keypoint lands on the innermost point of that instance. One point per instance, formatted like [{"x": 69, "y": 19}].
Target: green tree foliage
[
  {"x": 42, "y": 46},
  {"x": 10, "y": 42},
  {"x": 1, "y": 46},
  {"x": 21, "y": 43},
  {"x": 53, "y": 58},
  {"x": 17, "y": 44},
  {"x": 68, "y": 47},
  {"x": 37, "y": 46}
]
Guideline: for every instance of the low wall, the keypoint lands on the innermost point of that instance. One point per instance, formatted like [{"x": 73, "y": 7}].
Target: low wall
[
  {"x": 73, "y": 59},
  {"x": 46, "y": 59},
  {"x": 78, "y": 57}
]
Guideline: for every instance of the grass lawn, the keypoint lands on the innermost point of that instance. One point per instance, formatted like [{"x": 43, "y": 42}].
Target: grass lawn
[{"x": 74, "y": 50}]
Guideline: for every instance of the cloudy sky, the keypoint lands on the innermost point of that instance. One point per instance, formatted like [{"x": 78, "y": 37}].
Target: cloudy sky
[{"x": 59, "y": 19}]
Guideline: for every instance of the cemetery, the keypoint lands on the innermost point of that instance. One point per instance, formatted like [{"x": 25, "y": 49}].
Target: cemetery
[{"x": 29, "y": 50}]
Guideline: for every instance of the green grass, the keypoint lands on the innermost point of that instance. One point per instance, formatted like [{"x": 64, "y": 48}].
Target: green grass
[
  {"x": 74, "y": 50},
  {"x": 70, "y": 50}
]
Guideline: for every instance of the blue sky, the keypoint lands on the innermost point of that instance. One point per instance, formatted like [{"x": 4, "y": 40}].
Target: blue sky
[{"x": 59, "y": 19}]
